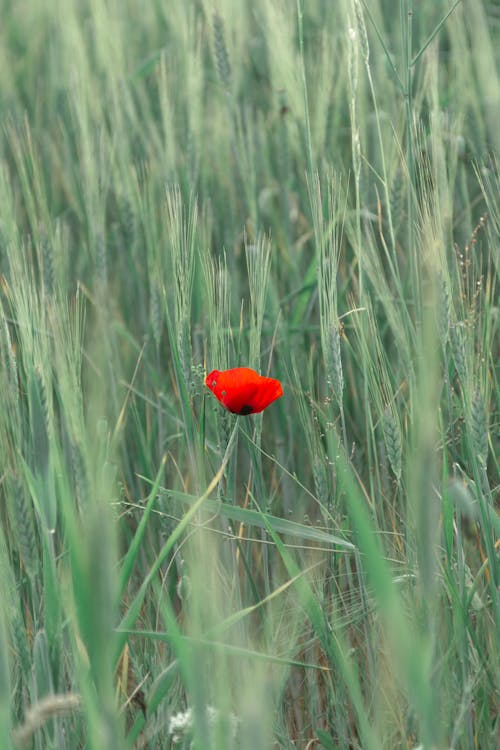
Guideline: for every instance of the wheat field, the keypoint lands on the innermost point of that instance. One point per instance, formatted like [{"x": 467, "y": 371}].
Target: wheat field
[{"x": 310, "y": 189}]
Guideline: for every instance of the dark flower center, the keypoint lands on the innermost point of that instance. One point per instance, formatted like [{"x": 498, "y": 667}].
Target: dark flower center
[{"x": 245, "y": 410}]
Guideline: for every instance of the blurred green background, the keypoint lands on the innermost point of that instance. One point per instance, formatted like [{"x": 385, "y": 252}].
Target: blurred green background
[{"x": 303, "y": 187}]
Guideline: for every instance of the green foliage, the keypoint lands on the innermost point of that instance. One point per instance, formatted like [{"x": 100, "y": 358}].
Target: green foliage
[{"x": 306, "y": 190}]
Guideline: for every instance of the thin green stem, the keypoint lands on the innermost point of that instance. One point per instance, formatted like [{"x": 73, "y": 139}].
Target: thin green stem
[
  {"x": 304, "y": 86},
  {"x": 410, "y": 160}
]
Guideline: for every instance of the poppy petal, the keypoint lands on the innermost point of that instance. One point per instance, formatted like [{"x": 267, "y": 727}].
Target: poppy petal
[{"x": 242, "y": 390}]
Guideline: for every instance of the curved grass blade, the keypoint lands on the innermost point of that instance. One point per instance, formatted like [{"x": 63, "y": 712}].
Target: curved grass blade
[{"x": 262, "y": 520}]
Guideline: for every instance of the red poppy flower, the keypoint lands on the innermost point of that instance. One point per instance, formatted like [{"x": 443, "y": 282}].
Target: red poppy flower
[{"x": 242, "y": 390}]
